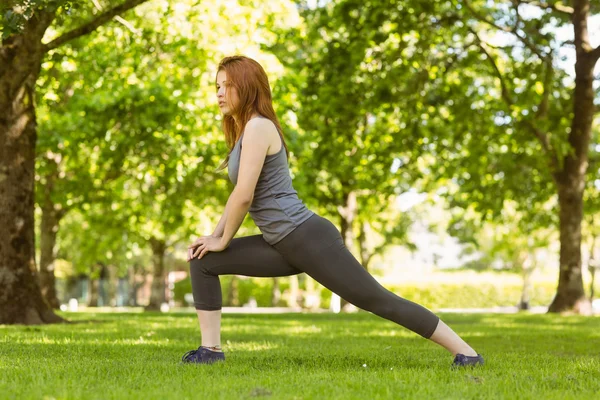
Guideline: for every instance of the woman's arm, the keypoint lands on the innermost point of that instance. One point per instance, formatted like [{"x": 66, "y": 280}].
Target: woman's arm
[
  {"x": 217, "y": 234},
  {"x": 238, "y": 208},
  {"x": 235, "y": 210},
  {"x": 221, "y": 225}
]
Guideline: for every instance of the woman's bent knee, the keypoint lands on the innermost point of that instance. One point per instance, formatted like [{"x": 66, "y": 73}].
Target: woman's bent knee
[{"x": 199, "y": 265}]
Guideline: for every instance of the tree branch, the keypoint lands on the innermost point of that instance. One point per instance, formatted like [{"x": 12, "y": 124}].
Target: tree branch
[
  {"x": 117, "y": 18},
  {"x": 512, "y": 31},
  {"x": 543, "y": 138},
  {"x": 506, "y": 48},
  {"x": 548, "y": 6},
  {"x": 92, "y": 25},
  {"x": 484, "y": 19},
  {"x": 526, "y": 42},
  {"x": 516, "y": 4},
  {"x": 503, "y": 86},
  {"x": 543, "y": 107}
]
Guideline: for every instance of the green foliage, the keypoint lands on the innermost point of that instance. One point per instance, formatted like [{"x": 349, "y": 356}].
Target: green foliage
[
  {"x": 87, "y": 238},
  {"x": 376, "y": 98},
  {"x": 352, "y": 85},
  {"x": 129, "y": 123},
  {"x": 502, "y": 94},
  {"x": 474, "y": 295},
  {"x": 433, "y": 296},
  {"x": 15, "y": 13}
]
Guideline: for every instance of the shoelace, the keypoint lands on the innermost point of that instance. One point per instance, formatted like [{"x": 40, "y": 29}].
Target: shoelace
[
  {"x": 189, "y": 354},
  {"x": 186, "y": 357}
]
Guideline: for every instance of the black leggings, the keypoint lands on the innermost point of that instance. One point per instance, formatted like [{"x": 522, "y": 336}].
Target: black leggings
[{"x": 317, "y": 248}]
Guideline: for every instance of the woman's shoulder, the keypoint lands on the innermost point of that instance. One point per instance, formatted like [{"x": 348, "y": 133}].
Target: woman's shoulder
[
  {"x": 260, "y": 127},
  {"x": 260, "y": 123}
]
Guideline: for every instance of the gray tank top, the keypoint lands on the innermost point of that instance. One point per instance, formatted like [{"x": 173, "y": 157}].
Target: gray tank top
[{"x": 276, "y": 208}]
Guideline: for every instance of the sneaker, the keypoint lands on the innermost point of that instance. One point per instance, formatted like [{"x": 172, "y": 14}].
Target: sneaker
[
  {"x": 202, "y": 356},
  {"x": 463, "y": 361}
]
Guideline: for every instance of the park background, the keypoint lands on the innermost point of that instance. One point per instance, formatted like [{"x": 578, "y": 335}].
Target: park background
[
  {"x": 454, "y": 143},
  {"x": 437, "y": 136}
]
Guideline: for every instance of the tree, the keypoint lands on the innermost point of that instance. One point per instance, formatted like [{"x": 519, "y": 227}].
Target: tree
[
  {"x": 24, "y": 26},
  {"x": 143, "y": 99},
  {"x": 359, "y": 87},
  {"x": 350, "y": 107},
  {"x": 532, "y": 90},
  {"x": 84, "y": 109}
]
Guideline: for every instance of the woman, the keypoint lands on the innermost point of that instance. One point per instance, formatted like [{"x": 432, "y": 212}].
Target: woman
[{"x": 294, "y": 239}]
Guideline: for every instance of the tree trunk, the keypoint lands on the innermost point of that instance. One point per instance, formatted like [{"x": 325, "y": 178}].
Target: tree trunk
[
  {"x": 95, "y": 280},
  {"x": 347, "y": 216},
  {"x": 527, "y": 267},
  {"x": 93, "y": 294},
  {"x": 294, "y": 291},
  {"x": 137, "y": 278},
  {"x": 157, "y": 291},
  {"x": 275, "y": 293},
  {"x": 49, "y": 228},
  {"x": 21, "y": 300},
  {"x": 83, "y": 288},
  {"x": 233, "y": 297},
  {"x": 569, "y": 293},
  {"x": 51, "y": 216},
  {"x": 571, "y": 179},
  {"x": 311, "y": 294},
  {"x": 365, "y": 254}
]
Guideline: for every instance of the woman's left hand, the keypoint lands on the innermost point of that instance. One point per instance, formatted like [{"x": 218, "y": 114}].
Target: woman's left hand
[{"x": 204, "y": 244}]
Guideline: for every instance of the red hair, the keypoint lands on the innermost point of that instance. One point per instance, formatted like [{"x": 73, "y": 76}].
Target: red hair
[{"x": 251, "y": 82}]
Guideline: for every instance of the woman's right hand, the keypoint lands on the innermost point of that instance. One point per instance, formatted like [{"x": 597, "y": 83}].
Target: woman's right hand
[{"x": 193, "y": 246}]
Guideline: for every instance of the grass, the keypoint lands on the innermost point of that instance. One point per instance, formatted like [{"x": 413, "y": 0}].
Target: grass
[{"x": 299, "y": 356}]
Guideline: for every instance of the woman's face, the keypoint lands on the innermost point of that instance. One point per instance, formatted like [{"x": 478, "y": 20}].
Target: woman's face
[{"x": 227, "y": 95}]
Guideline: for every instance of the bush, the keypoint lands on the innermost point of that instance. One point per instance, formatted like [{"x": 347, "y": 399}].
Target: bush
[
  {"x": 434, "y": 295},
  {"x": 259, "y": 288},
  {"x": 473, "y": 296}
]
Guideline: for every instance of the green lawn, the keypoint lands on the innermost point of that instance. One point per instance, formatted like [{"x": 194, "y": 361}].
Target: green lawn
[{"x": 292, "y": 356}]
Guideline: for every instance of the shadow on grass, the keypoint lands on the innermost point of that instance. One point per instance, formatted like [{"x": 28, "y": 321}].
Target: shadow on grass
[{"x": 298, "y": 330}]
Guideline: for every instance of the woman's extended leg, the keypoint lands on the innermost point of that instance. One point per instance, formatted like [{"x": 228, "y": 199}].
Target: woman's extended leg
[
  {"x": 447, "y": 338},
  {"x": 249, "y": 256},
  {"x": 317, "y": 248}
]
